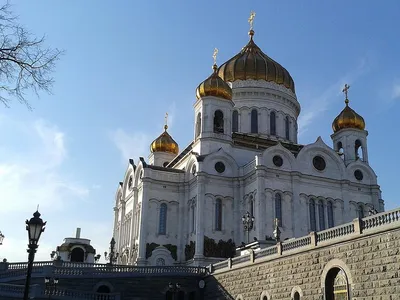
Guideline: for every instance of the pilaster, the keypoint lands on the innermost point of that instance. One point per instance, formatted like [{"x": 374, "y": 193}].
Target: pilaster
[
  {"x": 143, "y": 224},
  {"x": 260, "y": 210},
  {"x": 199, "y": 250}
]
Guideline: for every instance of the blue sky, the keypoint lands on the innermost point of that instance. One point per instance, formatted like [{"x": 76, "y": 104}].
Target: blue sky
[{"x": 129, "y": 62}]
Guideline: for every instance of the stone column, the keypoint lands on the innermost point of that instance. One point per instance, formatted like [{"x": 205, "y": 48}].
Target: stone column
[
  {"x": 345, "y": 213},
  {"x": 269, "y": 213},
  {"x": 242, "y": 210},
  {"x": 199, "y": 250},
  {"x": 287, "y": 204},
  {"x": 182, "y": 220},
  {"x": 259, "y": 209},
  {"x": 141, "y": 261},
  {"x": 237, "y": 218},
  {"x": 299, "y": 210}
]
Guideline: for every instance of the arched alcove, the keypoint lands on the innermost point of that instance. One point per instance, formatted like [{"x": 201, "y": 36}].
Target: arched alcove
[{"x": 77, "y": 255}]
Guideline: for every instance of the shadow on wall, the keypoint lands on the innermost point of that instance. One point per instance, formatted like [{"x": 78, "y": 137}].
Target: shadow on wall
[{"x": 214, "y": 290}]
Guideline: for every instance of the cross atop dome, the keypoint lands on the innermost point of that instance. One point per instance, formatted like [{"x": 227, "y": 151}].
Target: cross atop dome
[{"x": 345, "y": 91}]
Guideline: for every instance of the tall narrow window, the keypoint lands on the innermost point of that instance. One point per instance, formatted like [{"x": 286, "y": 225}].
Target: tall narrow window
[
  {"x": 330, "y": 214},
  {"x": 360, "y": 212},
  {"x": 235, "y": 121},
  {"x": 278, "y": 208},
  {"x": 254, "y": 121},
  {"x": 251, "y": 206},
  {"x": 357, "y": 147},
  {"x": 313, "y": 225},
  {"x": 218, "y": 121},
  {"x": 287, "y": 128},
  {"x": 321, "y": 214},
  {"x": 162, "y": 230},
  {"x": 272, "y": 123},
  {"x": 198, "y": 125},
  {"x": 218, "y": 215}
]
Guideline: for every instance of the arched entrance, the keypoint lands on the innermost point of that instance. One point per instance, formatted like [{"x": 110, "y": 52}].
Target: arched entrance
[
  {"x": 77, "y": 255},
  {"x": 336, "y": 285}
]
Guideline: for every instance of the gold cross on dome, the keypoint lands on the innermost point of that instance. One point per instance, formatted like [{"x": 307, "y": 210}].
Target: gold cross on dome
[
  {"x": 251, "y": 19},
  {"x": 346, "y": 89},
  {"x": 166, "y": 121},
  {"x": 215, "y": 55}
]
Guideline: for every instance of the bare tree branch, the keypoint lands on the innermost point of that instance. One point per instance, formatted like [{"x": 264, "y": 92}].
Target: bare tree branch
[{"x": 26, "y": 64}]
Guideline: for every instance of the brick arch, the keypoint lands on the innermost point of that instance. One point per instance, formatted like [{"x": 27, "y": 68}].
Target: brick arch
[
  {"x": 336, "y": 263},
  {"x": 294, "y": 290},
  {"x": 265, "y": 294}
]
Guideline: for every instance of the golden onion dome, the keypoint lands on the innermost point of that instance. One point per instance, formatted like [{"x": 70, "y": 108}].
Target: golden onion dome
[
  {"x": 252, "y": 63},
  {"x": 164, "y": 143},
  {"x": 214, "y": 86},
  {"x": 348, "y": 118}
]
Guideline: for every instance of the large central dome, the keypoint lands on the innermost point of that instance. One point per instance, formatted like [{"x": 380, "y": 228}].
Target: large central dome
[{"x": 252, "y": 63}]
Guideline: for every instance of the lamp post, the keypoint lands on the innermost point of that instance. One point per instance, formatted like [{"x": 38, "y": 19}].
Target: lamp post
[
  {"x": 35, "y": 226},
  {"x": 248, "y": 222},
  {"x": 174, "y": 289},
  {"x": 1, "y": 238},
  {"x": 112, "y": 256},
  {"x": 51, "y": 285}
]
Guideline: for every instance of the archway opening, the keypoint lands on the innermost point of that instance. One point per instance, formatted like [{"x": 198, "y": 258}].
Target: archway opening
[
  {"x": 358, "y": 150},
  {"x": 218, "y": 122},
  {"x": 296, "y": 296},
  {"x": 77, "y": 255},
  {"x": 336, "y": 285},
  {"x": 103, "y": 289}
]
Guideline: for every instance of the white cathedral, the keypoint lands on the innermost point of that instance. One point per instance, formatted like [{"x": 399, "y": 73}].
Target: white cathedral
[{"x": 185, "y": 206}]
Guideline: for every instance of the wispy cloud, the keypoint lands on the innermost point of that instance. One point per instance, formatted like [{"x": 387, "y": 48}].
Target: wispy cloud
[
  {"x": 396, "y": 90},
  {"x": 320, "y": 104},
  {"x": 32, "y": 157},
  {"x": 131, "y": 145}
]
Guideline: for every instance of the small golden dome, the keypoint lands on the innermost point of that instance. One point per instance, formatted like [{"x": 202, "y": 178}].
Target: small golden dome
[
  {"x": 214, "y": 86},
  {"x": 252, "y": 63},
  {"x": 164, "y": 143},
  {"x": 348, "y": 118}
]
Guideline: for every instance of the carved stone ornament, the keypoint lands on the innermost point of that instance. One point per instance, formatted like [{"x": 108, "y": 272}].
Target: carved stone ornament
[{"x": 263, "y": 84}]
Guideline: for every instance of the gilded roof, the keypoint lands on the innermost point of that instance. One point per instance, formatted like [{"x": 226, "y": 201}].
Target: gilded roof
[
  {"x": 214, "y": 86},
  {"x": 164, "y": 143},
  {"x": 348, "y": 118}
]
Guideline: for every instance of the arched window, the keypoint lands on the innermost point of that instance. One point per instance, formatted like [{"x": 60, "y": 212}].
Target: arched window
[
  {"x": 296, "y": 296},
  {"x": 265, "y": 298},
  {"x": 313, "y": 225},
  {"x": 103, "y": 289},
  {"x": 77, "y": 255},
  {"x": 360, "y": 211},
  {"x": 218, "y": 121},
  {"x": 251, "y": 204},
  {"x": 254, "y": 121},
  {"x": 162, "y": 229},
  {"x": 339, "y": 150},
  {"x": 198, "y": 125},
  {"x": 272, "y": 123},
  {"x": 287, "y": 128},
  {"x": 278, "y": 208},
  {"x": 235, "y": 121},
  {"x": 330, "y": 214},
  {"x": 357, "y": 147},
  {"x": 336, "y": 285},
  {"x": 321, "y": 214},
  {"x": 218, "y": 215}
]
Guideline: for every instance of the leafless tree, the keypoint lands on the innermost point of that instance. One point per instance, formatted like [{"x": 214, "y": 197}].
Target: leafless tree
[{"x": 26, "y": 64}]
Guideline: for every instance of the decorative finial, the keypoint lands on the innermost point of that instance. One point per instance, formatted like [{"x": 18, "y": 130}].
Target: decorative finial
[
  {"x": 166, "y": 121},
  {"x": 215, "y": 60},
  {"x": 251, "y": 19},
  {"x": 346, "y": 91}
]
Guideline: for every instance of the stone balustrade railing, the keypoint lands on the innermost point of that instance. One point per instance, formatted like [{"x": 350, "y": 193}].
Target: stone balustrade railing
[
  {"x": 67, "y": 269},
  {"x": 369, "y": 225},
  {"x": 81, "y": 295},
  {"x": 17, "y": 291}
]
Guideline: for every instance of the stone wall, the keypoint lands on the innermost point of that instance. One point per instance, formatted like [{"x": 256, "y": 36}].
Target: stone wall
[{"x": 370, "y": 259}]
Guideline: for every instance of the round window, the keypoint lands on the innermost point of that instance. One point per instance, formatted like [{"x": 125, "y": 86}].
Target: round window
[
  {"x": 319, "y": 163},
  {"x": 358, "y": 175},
  {"x": 277, "y": 160},
  {"x": 220, "y": 167}
]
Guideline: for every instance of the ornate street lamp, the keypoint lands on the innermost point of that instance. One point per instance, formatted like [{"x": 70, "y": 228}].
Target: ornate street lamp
[
  {"x": 1, "y": 238},
  {"x": 35, "y": 226},
  {"x": 248, "y": 222},
  {"x": 174, "y": 289},
  {"x": 96, "y": 258},
  {"x": 112, "y": 256},
  {"x": 51, "y": 285},
  {"x": 277, "y": 231}
]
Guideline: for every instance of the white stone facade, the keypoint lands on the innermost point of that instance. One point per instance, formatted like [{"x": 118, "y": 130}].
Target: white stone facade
[{"x": 265, "y": 172}]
